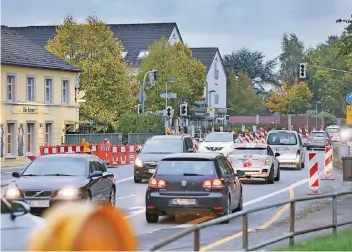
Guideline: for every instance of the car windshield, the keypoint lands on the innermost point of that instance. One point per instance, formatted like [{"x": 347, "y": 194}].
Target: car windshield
[
  {"x": 332, "y": 130},
  {"x": 155, "y": 146},
  {"x": 186, "y": 167},
  {"x": 319, "y": 134},
  {"x": 57, "y": 166},
  {"x": 245, "y": 151},
  {"x": 282, "y": 138},
  {"x": 219, "y": 137}
]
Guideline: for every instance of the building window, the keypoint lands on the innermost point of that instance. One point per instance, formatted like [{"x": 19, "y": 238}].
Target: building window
[
  {"x": 48, "y": 90},
  {"x": 143, "y": 54},
  {"x": 123, "y": 55},
  {"x": 216, "y": 71},
  {"x": 30, "y": 137},
  {"x": 10, "y": 150},
  {"x": 216, "y": 98},
  {"x": 30, "y": 89},
  {"x": 48, "y": 133},
  {"x": 65, "y": 92},
  {"x": 10, "y": 88}
]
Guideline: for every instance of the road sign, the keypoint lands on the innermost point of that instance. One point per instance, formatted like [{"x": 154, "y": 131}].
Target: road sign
[
  {"x": 142, "y": 96},
  {"x": 349, "y": 114},
  {"x": 169, "y": 95},
  {"x": 211, "y": 111},
  {"x": 349, "y": 98}
]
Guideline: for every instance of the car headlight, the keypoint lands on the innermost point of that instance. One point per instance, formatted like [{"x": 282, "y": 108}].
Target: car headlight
[
  {"x": 267, "y": 161},
  {"x": 345, "y": 134},
  {"x": 68, "y": 192},
  {"x": 138, "y": 162},
  {"x": 12, "y": 193}
]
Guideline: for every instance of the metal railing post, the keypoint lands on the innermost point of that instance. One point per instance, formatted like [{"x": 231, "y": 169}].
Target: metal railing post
[
  {"x": 196, "y": 241},
  {"x": 334, "y": 215},
  {"x": 245, "y": 232},
  {"x": 292, "y": 223}
]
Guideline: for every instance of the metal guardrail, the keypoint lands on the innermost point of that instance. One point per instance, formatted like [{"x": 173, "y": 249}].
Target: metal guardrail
[{"x": 245, "y": 245}]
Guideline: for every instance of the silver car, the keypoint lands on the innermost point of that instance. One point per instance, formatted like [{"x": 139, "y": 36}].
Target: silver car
[
  {"x": 318, "y": 140},
  {"x": 289, "y": 145}
]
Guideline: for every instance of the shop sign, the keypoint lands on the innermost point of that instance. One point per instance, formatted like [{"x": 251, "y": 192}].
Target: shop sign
[{"x": 29, "y": 110}]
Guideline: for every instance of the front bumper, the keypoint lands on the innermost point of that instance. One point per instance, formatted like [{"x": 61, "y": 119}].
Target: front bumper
[
  {"x": 214, "y": 203},
  {"x": 142, "y": 172},
  {"x": 254, "y": 172}
]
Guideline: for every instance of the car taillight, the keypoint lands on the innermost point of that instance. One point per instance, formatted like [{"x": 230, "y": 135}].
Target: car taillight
[
  {"x": 267, "y": 161},
  {"x": 298, "y": 152},
  {"x": 212, "y": 184},
  {"x": 156, "y": 183},
  {"x": 229, "y": 159}
]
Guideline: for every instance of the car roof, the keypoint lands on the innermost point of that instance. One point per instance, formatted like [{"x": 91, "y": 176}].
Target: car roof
[
  {"x": 318, "y": 131},
  {"x": 252, "y": 145},
  {"x": 193, "y": 155},
  {"x": 67, "y": 155},
  {"x": 282, "y": 131},
  {"x": 168, "y": 137}
]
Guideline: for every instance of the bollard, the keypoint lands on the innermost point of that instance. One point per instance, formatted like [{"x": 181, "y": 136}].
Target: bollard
[{"x": 313, "y": 173}]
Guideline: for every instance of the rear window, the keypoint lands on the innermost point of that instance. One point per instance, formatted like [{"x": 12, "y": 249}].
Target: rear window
[
  {"x": 319, "y": 134},
  {"x": 180, "y": 167},
  {"x": 160, "y": 146},
  {"x": 332, "y": 130},
  {"x": 282, "y": 138},
  {"x": 245, "y": 151}
]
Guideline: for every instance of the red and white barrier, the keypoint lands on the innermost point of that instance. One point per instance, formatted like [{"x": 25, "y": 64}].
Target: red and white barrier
[
  {"x": 196, "y": 143},
  {"x": 256, "y": 137},
  {"x": 263, "y": 136},
  {"x": 251, "y": 137},
  {"x": 29, "y": 159},
  {"x": 240, "y": 137},
  {"x": 328, "y": 163},
  {"x": 300, "y": 133},
  {"x": 313, "y": 173},
  {"x": 307, "y": 133},
  {"x": 248, "y": 139}
]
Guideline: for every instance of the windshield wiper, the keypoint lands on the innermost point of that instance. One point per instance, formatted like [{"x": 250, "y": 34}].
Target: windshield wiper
[
  {"x": 192, "y": 174},
  {"x": 57, "y": 174},
  {"x": 29, "y": 175}
]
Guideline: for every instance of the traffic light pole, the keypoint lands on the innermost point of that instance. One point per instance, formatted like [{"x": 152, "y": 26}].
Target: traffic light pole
[
  {"x": 166, "y": 118},
  {"x": 143, "y": 90}
]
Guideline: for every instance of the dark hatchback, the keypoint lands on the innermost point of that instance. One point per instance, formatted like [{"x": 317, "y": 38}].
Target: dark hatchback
[
  {"x": 62, "y": 177},
  {"x": 154, "y": 149},
  {"x": 193, "y": 183}
]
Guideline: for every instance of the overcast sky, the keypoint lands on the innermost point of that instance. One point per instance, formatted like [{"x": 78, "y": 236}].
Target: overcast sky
[{"x": 227, "y": 24}]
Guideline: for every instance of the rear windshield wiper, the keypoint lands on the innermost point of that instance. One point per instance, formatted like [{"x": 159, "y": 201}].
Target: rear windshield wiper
[
  {"x": 57, "y": 174},
  {"x": 192, "y": 174}
]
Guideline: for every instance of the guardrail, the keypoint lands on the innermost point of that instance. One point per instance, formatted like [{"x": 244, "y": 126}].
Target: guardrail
[{"x": 245, "y": 245}]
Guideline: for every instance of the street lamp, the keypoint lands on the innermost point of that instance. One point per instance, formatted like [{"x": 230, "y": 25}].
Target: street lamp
[{"x": 316, "y": 114}]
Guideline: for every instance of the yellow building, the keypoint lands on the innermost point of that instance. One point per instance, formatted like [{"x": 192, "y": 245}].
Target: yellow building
[{"x": 38, "y": 98}]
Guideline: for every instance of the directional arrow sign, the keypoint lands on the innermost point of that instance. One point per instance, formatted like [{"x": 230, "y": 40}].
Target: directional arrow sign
[
  {"x": 169, "y": 95},
  {"x": 349, "y": 98}
]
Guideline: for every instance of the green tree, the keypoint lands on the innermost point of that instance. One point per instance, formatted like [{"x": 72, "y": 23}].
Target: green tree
[
  {"x": 346, "y": 38},
  {"x": 140, "y": 123},
  {"x": 241, "y": 98},
  {"x": 252, "y": 63},
  {"x": 173, "y": 61},
  {"x": 292, "y": 54},
  {"x": 110, "y": 89}
]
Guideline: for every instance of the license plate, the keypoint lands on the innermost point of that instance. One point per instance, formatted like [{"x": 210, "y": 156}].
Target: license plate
[
  {"x": 183, "y": 202},
  {"x": 151, "y": 170},
  {"x": 38, "y": 203}
]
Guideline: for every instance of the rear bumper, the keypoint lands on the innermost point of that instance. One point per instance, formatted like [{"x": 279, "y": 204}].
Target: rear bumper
[
  {"x": 251, "y": 172},
  {"x": 212, "y": 204},
  {"x": 289, "y": 162},
  {"x": 317, "y": 146}
]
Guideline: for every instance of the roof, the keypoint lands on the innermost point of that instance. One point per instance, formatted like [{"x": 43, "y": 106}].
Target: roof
[
  {"x": 193, "y": 155},
  {"x": 20, "y": 51},
  {"x": 134, "y": 37},
  {"x": 252, "y": 145},
  {"x": 205, "y": 55}
]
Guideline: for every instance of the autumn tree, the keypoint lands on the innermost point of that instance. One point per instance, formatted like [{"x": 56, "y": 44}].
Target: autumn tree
[
  {"x": 290, "y": 99},
  {"x": 110, "y": 89},
  {"x": 173, "y": 61}
]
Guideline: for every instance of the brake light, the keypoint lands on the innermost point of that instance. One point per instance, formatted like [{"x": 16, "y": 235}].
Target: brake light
[
  {"x": 267, "y": 161},
  {"x": 156, "y": 183},
  {"x": 229, "y": 159},
  {"x": 212, "y": 184}
]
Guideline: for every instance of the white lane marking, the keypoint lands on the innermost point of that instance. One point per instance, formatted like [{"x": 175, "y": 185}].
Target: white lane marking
[
  {"x": 123, "y": 180},
  {"x": 136, "y": 208},
  {"x": 125, "y": 197}
]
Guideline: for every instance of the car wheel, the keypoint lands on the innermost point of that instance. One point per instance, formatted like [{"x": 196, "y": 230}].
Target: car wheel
[
  {"x": 151, "y": 217},
  {"x": 299, "y": 166},
  {"x": 137, "y": 180},
  {"x": 227, "y": 211},
  {"x": 277, "y": 178},
  {"x": 113, "y": 197},
  {"x": 270, "y": 178},
  {"x": 302, "y": 165},
  {"x": 240, "y": 204}
]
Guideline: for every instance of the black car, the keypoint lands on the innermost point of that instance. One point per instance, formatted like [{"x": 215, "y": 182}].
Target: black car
[
  {"x": 154, "y": 149},
  {"x": 57, "y": 178},
  {"x": 193, "y": 183}
]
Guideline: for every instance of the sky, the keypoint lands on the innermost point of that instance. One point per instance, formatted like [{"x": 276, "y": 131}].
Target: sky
[{"x": 227, "y": 24}]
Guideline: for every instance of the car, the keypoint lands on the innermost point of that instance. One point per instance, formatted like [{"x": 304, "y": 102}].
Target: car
[
  {"x": 193, "y": 183},
  {"x": 318, "y": 140},
  {"x": 56, "y": 178},
  {"x": 221, "y": 142},
  {"x": 256, "y": 160},
  {"x": 290, "y": 147},
  {"x": 334, "y": 132},
  {"x": 154, "y": 149},
  {"x": 17, "y": 225}
]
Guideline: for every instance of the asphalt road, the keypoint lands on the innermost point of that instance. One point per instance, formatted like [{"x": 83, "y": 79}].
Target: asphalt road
[{"x": 131, "y": 199}]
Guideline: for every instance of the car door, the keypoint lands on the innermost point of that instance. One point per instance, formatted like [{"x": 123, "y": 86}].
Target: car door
[
  {"x": 189, "y": 143},
  {"x": 229, "y": 179},
  {"x": 96, "y": 186},
  {"x": 107, "y": 179},
  {"x": 273, "y": 159}
]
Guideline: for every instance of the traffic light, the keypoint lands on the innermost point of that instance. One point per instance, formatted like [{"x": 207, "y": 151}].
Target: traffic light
[
  {"x": 303, "y": 70},
  {"x": 153, "y": 78},
  {"x": 183, "y": 109},
  {"x": 169, "y": 111},
  {"x": 139, "y": 109}
]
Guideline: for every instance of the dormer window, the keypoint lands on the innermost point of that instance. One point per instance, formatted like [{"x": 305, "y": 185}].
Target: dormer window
[
  {"x": 143, "y": 54},
  {"x": 123, "y": 54}
]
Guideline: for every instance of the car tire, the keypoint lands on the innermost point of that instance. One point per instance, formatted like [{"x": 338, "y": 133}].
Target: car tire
[
  {"x": 277, "y": 178},
  {"x": 228, "y": 211},
  {"x": 113, "y": 197},
  {"x": 240, "y": 204},
  {"x": 151, "y": 217},
  {"x": 302, "y": 165},
  {"x": 270, "y": 178},
  {"x": 137, "y": 180},
  {"x": 299, "y": 166}
]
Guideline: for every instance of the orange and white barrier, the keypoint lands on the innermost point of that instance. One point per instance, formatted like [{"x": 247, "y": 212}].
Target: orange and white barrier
[
  {"x": 313, "y": 173},
  {"x": 328, "y": 163},
  {"x": 29, "y": 159}
]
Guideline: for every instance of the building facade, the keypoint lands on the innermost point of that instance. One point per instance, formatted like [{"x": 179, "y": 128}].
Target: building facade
[{"x": 38, "y": 98}]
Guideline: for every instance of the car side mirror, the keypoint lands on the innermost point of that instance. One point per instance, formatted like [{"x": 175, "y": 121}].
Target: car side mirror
[
  {"x": 16, "y": 174},
  {"x": 240, "y": 173},
  {"x": 96, "y": 174},
  {"x": 138, "y": 150},
  {"x": 277, "y": 154},
  {"x": 19, "y": 208}
]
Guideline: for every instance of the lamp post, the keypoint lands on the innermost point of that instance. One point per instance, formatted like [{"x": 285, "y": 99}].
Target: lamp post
[{"x": 316, "y": 114}]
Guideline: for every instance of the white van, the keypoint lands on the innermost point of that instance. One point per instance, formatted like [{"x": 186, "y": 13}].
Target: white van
[
  {"x": 334, "y": 132},
  {"x": 290, "y": 147}
]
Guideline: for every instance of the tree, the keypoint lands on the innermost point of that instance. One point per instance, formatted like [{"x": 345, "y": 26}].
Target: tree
[
  {"x": 290, "y": 99},
  {"x": 110, "y": 89},
  {"x": 292, "y": 54},
  {"x": 252, "y": 63},
  {"x": 241, "y": 98},
  {"x": 346, "y": 38},
  {"x": 173, "y": 61}
]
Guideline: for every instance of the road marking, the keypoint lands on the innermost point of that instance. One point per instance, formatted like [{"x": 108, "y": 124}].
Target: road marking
[
  {"x": 125, "y": 197},
  {"x": 195, "y": 221},
  {"x": 135, "y": 213},
  {"x": 266, "y": 225},
  {"x": 123, "y": 180}
]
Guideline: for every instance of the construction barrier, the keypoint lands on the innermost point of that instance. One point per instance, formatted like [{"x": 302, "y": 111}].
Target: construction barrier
[
  {"x": 328, "y": 163},
  {"x": 240, "y": 137},
  {"x": 30, "y": 158},
  {"x": 313, "y": 173},
  {"x": 196, "y": 143}
]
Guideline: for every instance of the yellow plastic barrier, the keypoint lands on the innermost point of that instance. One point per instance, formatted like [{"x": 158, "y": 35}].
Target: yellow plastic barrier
[{"x": 83, "y": 227}]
